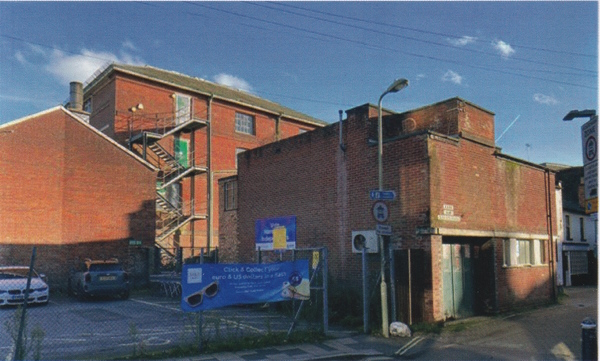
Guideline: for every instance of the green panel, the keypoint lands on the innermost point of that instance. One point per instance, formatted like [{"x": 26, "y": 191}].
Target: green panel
[
  {"x": 458, "y": 286},
  {"x": 447, "y": 283},
  {"x": 181, "y": 152}
]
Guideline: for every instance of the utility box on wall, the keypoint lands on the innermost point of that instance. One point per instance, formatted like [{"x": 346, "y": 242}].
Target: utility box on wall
[{"x": 365, "y": 239}]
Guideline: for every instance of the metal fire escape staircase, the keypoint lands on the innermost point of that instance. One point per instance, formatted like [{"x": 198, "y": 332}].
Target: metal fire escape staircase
[{"x": 172, "y": 211}]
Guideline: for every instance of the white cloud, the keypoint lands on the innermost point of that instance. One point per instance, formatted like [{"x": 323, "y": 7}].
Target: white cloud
[
  {"x": 20, "y": 57},
  {"x": 453, "y": 77},
  {"x": 465, "y": 40},
  {"x": 503, "y": 48},
  {"x": 545, "y": 99},
  {"x": 127, "y": 44},
  {"x": 79, "y": 67},
  {"x": 233, "y": 82}
]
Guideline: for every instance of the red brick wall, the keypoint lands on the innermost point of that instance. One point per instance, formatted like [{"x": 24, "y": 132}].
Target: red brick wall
[
  {"x": 327, "y": 189},
  {"x": 72, "y": 193},
  {"x": 124, "y": 91}
]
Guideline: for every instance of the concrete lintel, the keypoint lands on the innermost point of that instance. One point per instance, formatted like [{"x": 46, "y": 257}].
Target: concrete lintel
[{"x": 479, "y": 233}]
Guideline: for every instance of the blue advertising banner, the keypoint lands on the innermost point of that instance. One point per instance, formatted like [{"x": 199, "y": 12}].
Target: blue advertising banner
[
  {"x": 209, "y": 286},
  {"x": 275, "y": 233}
]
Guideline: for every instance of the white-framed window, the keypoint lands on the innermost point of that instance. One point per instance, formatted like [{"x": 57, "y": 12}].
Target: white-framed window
[
  {"x": 244, "y": 123},
  {"x": 568, "y": 235},
  {"x": 519, "y": 252},
  {"x": 183, "y": 108},
  {"x": 230, "y": 194},
  {"x": 238, "y": 151}
]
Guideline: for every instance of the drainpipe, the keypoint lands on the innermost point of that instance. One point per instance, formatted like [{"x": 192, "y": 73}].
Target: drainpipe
[
  {"x": 210, "y": 175},
  {"x": 552, "y": 261},
  {"x": 277, "y": 125},
  {"x": 342, "y": 146}
]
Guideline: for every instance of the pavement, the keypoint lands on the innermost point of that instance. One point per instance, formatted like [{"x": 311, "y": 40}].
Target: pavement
[{"x": 547, "y": 333}]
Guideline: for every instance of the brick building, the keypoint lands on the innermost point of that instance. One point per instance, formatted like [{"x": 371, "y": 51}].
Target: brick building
[
  {"x": 66, "y": 188},
  {"x": 476, "y": 226},
  {"x": 578, "y": 231},
  {"x": 192, "y": 130}
]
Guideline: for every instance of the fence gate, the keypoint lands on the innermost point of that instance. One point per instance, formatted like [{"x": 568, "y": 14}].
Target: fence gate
[{"x": 315, "y": 309}]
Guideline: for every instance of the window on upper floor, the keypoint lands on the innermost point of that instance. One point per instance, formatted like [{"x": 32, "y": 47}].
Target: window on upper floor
[
  {"x": 568, "y": 236},
  {"x": 87, "y": 105},
  {"x": 230, "y": 194},
  {"x": 518, "y": 252},
  {"x": 582, "y": 228},
  {"x": 244, "y": 123},
  {"x": 183, "y": 108}
]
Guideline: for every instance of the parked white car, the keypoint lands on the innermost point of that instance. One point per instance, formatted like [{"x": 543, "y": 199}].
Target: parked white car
[{"x": 13, "y": 282}]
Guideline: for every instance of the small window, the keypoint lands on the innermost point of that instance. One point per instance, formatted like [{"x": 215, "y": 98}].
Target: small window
[
  {"x": 230, "y": 194},
  {"x": 582, "y": 228},
  {"x": 87, "y": 105},
  {"x": 568, "y": 227},
  {"x": 302, "y": 131},
  {"x": 244, "y": 123},
  {"x": 238, "y": 151}
]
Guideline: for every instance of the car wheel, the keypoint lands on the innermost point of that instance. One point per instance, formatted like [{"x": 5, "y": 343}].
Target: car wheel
[
  {"x": 125, "y": 295},
  {"x": 81, "y": 296}
]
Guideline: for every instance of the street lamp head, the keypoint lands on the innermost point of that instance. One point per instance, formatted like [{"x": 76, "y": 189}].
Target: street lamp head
[
  {"x": 397, "y": 85},
  {"x": 587, "y": 113}
]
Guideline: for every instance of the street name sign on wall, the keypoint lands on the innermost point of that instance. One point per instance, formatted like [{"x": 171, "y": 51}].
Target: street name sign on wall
[
  {"x": 589, "y": 138},
  {"x": 209, "y": 286},
  {"x": 275, "y": 233}
]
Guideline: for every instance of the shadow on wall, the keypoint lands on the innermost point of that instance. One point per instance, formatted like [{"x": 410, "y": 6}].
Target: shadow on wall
[{"x": 58, "y": 261}]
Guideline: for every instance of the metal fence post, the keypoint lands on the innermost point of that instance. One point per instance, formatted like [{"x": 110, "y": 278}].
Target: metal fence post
[
  {"x": 589, "y": 346},
  {"x": 19, "y": 347},
  {"x": 365, "y": 291},
  {"x": 325, "y": 293}
]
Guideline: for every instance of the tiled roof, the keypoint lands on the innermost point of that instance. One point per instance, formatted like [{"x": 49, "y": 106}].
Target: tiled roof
[{"x": 202, "y": 86}]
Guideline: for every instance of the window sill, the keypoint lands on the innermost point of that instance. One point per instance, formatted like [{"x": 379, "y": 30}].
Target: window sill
[{"x": 526, "y": 266}]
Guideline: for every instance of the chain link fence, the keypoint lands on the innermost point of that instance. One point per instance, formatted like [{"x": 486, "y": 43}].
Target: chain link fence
[{"x": 56, "y": 325}]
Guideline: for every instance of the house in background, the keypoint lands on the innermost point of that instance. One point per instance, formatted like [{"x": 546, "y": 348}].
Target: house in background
[
  {"x": 192, "y": 130},
  {"x": 472, "y": 230},
  {"x": 578, "y": 243},
  {"x": 74, "y": 193}
]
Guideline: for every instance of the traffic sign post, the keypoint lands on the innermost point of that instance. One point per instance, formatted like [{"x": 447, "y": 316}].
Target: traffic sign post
[
  {"x": 380, "y": 212},
  {"x": 382, "y": 195},
  {"x": 589, "y": 138}
]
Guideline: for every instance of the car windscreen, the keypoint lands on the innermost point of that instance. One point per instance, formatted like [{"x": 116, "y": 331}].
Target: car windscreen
[{"x": 106, "y": 267}]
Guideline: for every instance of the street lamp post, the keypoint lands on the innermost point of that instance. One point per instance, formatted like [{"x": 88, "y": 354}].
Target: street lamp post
[{"x": 396, "y": 86}]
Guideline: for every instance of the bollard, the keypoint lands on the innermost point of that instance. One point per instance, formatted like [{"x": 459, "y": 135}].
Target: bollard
[{"x": 589, "y": 346}]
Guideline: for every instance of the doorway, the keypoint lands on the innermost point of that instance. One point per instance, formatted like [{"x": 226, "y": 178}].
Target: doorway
[{"x": 458, "y": 287}]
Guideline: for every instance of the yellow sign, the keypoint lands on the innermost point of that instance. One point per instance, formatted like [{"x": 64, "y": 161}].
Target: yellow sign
[
  {"x": 591, "y": 205},
  {"x": 279, "y": 238},
  {"x": 315, "y": 259}
]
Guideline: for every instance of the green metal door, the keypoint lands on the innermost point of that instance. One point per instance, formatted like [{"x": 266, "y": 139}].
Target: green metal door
[
  {"x": 457, "y": 271},
  {"x": 181, "y": 152}
]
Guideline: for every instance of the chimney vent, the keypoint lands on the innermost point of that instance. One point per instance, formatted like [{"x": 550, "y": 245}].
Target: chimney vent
[{"x": 76, "y": 96}]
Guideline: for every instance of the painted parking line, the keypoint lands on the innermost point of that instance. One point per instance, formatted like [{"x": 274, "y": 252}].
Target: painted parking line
[
  {"x": 156, "y": 305},
  {"x": 226, "y": 321},
  {"x": 415, "y": 341}
]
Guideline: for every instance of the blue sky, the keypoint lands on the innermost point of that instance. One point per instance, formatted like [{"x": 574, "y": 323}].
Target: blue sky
[{"x": 529, "y": 61}]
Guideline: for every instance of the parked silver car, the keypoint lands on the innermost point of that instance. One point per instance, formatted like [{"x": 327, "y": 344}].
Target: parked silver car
[
  {"x": 13, "y": 282},
  {"x": 100, "y": 278}
]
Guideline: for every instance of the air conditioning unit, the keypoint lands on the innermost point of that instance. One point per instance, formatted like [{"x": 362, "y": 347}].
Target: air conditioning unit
[{"x": 365, "y": 239}]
